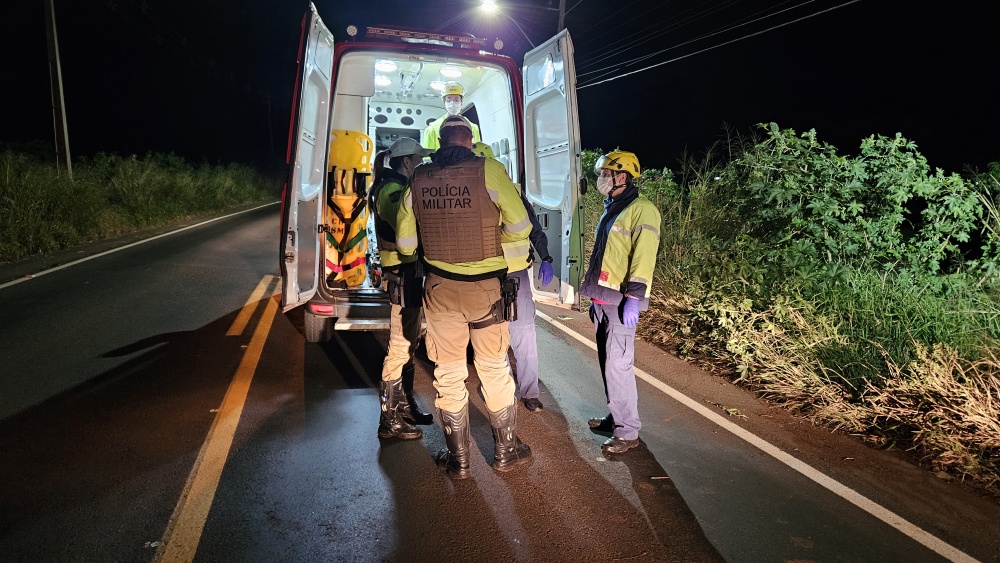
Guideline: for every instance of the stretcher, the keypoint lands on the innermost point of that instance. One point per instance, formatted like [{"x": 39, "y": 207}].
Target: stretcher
[{"x": 346, "y": 212}]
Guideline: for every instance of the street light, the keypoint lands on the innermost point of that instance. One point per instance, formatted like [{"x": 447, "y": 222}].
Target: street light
[{"x": 491, "y": 7}]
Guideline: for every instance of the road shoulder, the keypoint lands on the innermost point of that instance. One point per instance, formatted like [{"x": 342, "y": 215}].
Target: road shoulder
[{"x": 887, "y": 477}]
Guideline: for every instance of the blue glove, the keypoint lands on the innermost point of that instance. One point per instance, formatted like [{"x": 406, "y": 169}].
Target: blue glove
[
  {"x": 545, "y": 273},
  {"x": 592, "y": 312},
  {"x": 630, "y": 313}
]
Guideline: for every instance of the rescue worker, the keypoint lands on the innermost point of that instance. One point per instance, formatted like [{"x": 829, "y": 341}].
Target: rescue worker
[
  {"x": 465, "y": 207},
  {"x": 452, "y": 96},
  {"x": 618, "y": 282},
  {"x": 523, "y": 341},
  {"x": 399, "y": 409}
]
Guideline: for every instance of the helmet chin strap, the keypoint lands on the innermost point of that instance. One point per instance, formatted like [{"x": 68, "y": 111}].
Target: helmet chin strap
[{"x": 616, "y": 188}]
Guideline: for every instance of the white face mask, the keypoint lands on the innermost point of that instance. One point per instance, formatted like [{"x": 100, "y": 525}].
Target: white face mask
[
  {"x": 452, "y": 107},
  {"x": 605, "y": 184}
]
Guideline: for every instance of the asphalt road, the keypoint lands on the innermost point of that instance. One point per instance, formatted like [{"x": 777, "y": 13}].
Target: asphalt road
[{"x": 157, "y": 407}]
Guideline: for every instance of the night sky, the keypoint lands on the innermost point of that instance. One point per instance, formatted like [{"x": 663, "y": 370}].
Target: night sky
[{"x": 211, "y": 80}]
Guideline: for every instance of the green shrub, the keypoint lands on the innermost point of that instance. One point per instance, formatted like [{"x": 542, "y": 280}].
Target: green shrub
[{"x": 823, "y": 281}]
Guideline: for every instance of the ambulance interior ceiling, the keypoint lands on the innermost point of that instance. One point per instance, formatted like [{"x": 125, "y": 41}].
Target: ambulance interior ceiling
[{"x": 389, "y": 96}]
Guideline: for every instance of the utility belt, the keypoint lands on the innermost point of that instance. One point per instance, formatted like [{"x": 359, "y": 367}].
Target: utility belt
[
  {"x": 404, "y": 286},
  {"x": 504, "y": 310}
]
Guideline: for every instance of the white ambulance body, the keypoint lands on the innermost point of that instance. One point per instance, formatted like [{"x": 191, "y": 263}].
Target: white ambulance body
[{"x": 355, "y": 98}]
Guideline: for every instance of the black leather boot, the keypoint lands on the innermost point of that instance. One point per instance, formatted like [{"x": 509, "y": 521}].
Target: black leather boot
[
  {"x": 510, "y": 451},
  {"x": 408, "y": 407},
  {"x": 390, "y": 422},
  {"x": 455, "y": 459}
]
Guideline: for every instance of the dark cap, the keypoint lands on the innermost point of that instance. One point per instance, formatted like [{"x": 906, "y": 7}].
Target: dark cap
[{"x": 457, "y": 121}]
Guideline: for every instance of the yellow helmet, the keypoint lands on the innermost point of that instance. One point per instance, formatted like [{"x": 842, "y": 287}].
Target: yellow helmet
[
  {"x": 452, "y": 89},
  {"x": 619, "y": 161},
  {"x": 482, "y": 149}
]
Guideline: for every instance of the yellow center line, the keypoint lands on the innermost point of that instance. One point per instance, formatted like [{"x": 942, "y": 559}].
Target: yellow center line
[
  {"x": 180, "y": 540},
  {"x": 243, "y": 318}
]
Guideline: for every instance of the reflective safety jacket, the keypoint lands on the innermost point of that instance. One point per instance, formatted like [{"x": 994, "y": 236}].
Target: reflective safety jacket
[
  {"x": 514, "y": 223},
  {"x": 387, "y": 197},
  {"x": 431, "y": 137},
  {"x": 624, "y": 264}
]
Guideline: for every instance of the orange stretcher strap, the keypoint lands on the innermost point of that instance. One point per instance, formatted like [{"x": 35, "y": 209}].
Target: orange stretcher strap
[{"x": 338, "y": 268}]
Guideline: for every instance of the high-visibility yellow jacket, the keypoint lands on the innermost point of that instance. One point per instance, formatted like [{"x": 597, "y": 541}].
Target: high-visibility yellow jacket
[
  {"x": 430, "y": 138},
  {"x": 386, "y": 208},
  {"x": 624, "y": 265},
  {"x": 515, "y": 225}
]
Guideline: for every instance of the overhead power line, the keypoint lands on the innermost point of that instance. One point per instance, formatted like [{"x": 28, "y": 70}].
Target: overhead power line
[
  {"x": 696, "y": 39},
  {"x": 719, "y": 45},
  {"x": 629, "y": 43},
  {"x": 611, "y": 18}
]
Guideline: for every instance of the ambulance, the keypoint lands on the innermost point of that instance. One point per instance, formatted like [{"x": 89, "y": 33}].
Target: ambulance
[{"x": 356, "y": 97}]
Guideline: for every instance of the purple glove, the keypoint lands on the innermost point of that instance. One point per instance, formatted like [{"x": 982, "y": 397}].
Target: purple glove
[
  {"x": 545, "y": 273},
  {"x": 630, "y": 313}
]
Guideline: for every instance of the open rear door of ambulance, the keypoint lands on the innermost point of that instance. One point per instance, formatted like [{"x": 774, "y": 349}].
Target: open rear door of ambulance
[
  {"x": 552, "y": 162},
  {"x": 309, "y": 141}
]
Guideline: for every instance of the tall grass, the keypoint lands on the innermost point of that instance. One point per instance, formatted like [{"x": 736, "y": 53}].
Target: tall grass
[
  {"x": 42, "y": 211},
  {"x": 750, "y": 281}
]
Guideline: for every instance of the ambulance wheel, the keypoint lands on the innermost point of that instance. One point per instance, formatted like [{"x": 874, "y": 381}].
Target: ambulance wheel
[{"x": 318, "y": 329}]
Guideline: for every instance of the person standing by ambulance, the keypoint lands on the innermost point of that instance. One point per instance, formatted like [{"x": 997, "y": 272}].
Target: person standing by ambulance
[
  {"x": 465, "y": 207},
  {"x": 452, "y": 96},
  {"x": 523, "y": 341},
  {"x": 618, "y": 282},
  {"x": 399, "y": 409}
]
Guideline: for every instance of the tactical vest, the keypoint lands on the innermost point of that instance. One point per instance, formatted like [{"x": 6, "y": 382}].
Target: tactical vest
[
  {"x": 457, "y": 219},
  {"x": 385, "y": 232}
]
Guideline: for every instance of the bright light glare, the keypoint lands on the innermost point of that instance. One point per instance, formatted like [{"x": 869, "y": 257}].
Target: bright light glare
[
  {"x": 382, "y": 80},
  {"x": 490, "y": 6},
  {"x": 385, "y": 66},
  {"x": 437, "y": 85},
  {"x": 451, "y": 72}
]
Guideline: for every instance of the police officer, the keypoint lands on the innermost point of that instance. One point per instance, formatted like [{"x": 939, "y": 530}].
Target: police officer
[
  {"x": 451, "y": 95},
  {"x": 465, "y": 207},
  {"x": 399, "y": 410},
  {"x": 523, "y": 341},
  {"x": 618, "y": 282}
]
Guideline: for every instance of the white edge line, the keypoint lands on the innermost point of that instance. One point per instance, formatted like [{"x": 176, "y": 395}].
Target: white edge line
[
  {"x": 896, "y": 521},
  {"x": 143, "y": 241}
]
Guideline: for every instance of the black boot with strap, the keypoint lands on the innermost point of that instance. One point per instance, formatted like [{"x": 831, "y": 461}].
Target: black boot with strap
[
  {"x": 390, "y": 422},
  {"x": 408, "y": 407},
  {"x": 455, "y": 459},
  {"x": 510, "y": 450}
]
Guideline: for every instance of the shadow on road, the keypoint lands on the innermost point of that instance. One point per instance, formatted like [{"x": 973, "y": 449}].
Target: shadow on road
[
  {"x": 97, "y": 448},
  {"x": 570, "y": 504},
  {"x": 667, "y": 514}
]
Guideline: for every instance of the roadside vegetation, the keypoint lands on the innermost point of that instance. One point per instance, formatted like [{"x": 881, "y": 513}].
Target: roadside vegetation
[
  {"x": 42, "y": 211},
  {"x": 860, "y": 291}
]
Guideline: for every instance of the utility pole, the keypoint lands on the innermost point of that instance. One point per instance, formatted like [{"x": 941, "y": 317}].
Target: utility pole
[
  {"x": 562, "y": 15},
  {"x": 55, "y": 80}
]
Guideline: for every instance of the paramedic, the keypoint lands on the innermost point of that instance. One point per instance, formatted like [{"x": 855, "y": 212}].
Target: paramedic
[
  {"x": 618, "y": 284},
  {"x": 452, "y": 96},
  {"x": 465, "y": 207},
  {"x": 523, "y": 341},
  {"x": 399, "y": 410}
]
